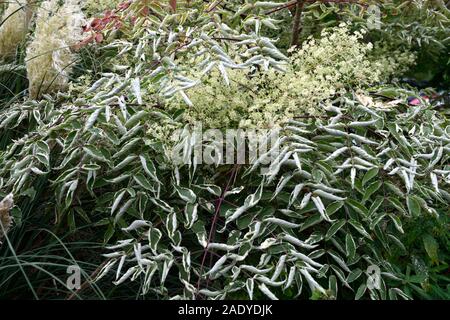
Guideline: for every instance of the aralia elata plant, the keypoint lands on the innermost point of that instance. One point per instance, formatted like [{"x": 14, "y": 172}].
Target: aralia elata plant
[{"x": 358, "y": 168}]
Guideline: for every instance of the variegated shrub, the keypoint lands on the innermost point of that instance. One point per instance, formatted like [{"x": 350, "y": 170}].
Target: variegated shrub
[
  {"x": 354, "y": 171},
  {"x": 332, "y": 203}
]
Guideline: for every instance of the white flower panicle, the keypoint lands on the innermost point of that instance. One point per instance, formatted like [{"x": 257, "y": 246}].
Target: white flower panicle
[
  {"x": 14, "y": 27},
  {"x": 333, "y": 65},
  {"x": 50, "y": 57}
]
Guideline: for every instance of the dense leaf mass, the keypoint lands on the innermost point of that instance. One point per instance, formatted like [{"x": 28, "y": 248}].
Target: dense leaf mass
[{"x": 98, "y": 96}]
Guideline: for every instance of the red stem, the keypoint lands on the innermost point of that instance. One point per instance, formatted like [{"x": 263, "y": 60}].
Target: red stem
[{"x": 220, "y": 200}]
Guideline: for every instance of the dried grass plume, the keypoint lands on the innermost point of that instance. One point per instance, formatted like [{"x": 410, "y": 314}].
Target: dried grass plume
[
  {"x": 14, "y": 28},
  {"x": 50, "y": 57},
  {"x": 5, "y": 218}
]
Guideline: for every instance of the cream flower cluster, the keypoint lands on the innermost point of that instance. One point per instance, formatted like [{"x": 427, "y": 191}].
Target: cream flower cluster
[
  {"x": 5, "y": 218},
  {"x": 92, "y": 7},
  {"x": 50, "y": 57},
  {"x": 217, "y": 105},
  {"x": 323, "y": 68},
  {"x": 391, "y": 60},
  {"x": 14, "y": 27}
]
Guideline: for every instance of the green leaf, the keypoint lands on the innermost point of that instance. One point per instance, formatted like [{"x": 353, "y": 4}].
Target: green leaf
[
  {"x": 186, "y": 194},
  {"x": 358, "y": 207},
  {"x": 333, "y": 207},
  {"x": 244, "y": 221},
  {"x": 339, "y": 260},
  {"x": 397, "y": 222},
  {"x": 311, "y": 221},
  {"x": 354, "y": 275},
  {"x": 340, "y": 275},
  {"x": 371, "y": 190},
  {"x": 350, "y": 246},
  {"x": 369, "y": 175},
  {"x": 135, "y": 118},
  {"x": 360, "y": 292},
  {"x": 375, "y": 205},
  {"x": 413, "y": 206},
  {"x": 72, "y": 186},
  {"x": 211, "y": 188},
  {"x": 117, "y": 199},
  {"x": 334, "y": 228},
  {"x": 92, "y": 118},
  {"x": 162, "y": 204},
  {"x": 143, "y": 182},
  {"x": 30, "y": 192},
  {"x": 398, "y": 243},
  {"x": 90, "y": 167},
  {"x": 83, "y": 214},
  {"x": 398, "y": 205},
  {"x": 149, "y": 167},
  {"x": 109, "y": 233},
  {"x": 431, "y": 247},
  {"x": 332, "y": 284},
  {"x": 396, "y": 190},
  {"x": 190, "y": 214},
  {"x": 95, "y": 153},
  {"x": 71, "y": 220},
  {"x": 359, "y": 227},
  {"x": 376, "y": 220},
  {"x": 154, "y": 235},
  {"x": 16, "y": 214},
  {"x": 317, "y": 175}
]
